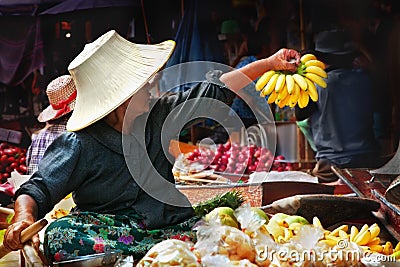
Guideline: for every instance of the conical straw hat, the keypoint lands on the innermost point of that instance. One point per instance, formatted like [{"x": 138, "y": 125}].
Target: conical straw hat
[{"x": 108, "y": 72}]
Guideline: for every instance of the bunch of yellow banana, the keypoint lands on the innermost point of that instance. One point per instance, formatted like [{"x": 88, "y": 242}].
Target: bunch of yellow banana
[
  {"x": 366, "y": 237},
  {"x": 288, "y": 89}
]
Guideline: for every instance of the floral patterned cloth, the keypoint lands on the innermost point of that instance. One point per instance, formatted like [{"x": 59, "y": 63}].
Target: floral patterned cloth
[{"x": 86, "y": 233}]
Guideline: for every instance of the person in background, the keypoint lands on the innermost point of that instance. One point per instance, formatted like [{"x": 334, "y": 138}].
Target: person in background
[
  {"x": 62, "y": 94},
  {"x": 120, "y": 201},
  {"x": 252, "y": 50},
  {"x": 342, "y": 119}
]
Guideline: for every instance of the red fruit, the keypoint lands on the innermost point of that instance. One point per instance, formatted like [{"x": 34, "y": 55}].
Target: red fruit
[
  {"x": 242, "y": 158},
  {"x": 23, "y": 169},
  {"x": 6, "y": 175},
  {"x": 288, "y": 168},
  {"x": 222, "y": 168},
  {"x": 8, "y": 152},
  {"x": 22, "y": 160},
  {"x": 280, "y": 169},
  {"x": 280, "y": 157},
  {"x": 3, "y": 145},
  {"x": 10, "y": 159},
  {"x": 251, "y": 168},
  {"x": 14, "y": 165},
  {"x": 3, "y": 159},
  {"x": 227, "y": 145}
]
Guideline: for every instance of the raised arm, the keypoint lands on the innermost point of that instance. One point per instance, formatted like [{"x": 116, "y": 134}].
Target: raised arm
[{"x": 284, "y": 59}]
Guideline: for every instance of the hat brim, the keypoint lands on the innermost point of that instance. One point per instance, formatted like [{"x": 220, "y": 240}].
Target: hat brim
[
  {"x": 96, "y": 99},
  {"x": 49, "y": 113}
]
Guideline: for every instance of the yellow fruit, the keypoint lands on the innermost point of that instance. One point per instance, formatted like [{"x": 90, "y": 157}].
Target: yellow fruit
[
  {"x": 282, "y": 94},
  {"x": 224, "y": 214},
  {"x": 279, "y": 217},
  {"x": 343, "y": 227},
  {"x": 374, "y": 229},
  {"x": 363, "y": 238},
  {"x": 376, "y": 248},
  {"x": 300, "y": 81},
  {"x": 387, "y": 248},
  {"x": 374, "y": 241},
  {"x": 280, "y": 83},
  {"x": 260, "y": 213},
  {"x": 303, "y": 99},
  {"x": 283, "y": 102},
  {"x": 396, "y": 255},
  {"x": 264, "y": 79},
  {"x": 397, "y": 248},
  {"x": 312, "y": 90},
  {"x": 294, "y": 98},
  {"x": 295, "y": 219},
  {"x": 275, "y": 229},
  {"x": 353, "y": 233},
  {"x": 315, "y": 62},
  {"x": 317, "y": 70},
  {"x": 307, "y": 57},
  {"x": 270, "y": 85},
  {"x": 272, "y": 97},
  {"x": 317, "y": 79},
  {"x": 289, "y": 83}
]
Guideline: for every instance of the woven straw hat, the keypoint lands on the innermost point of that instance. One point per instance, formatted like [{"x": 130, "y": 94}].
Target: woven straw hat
[
  {"x": 62, "y": 94},
  {"x": 108, "y": 72}
]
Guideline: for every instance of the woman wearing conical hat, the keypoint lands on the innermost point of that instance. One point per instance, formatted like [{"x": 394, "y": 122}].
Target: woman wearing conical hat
[{"x": 112, "y": 158}]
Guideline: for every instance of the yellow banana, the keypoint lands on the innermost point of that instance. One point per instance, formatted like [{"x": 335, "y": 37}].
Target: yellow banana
[
  {"x": 317, "y": 79},
  {"x": 307, "y": 57},
  {"x": 282, "y": 94},
  {"x": 289, "y": 84},
  {"x": 353, "y": 233},
  {"x": 376, "y": 248},
  {"x": 283, "y": 102},
  {"x": 300, "y": 81},
  {"x": 387, "y": 248},
  {"x": 374, "y": 229},
  {"x": 303, "y": 99},
  {"x": 331, "y": 237},
  {"x": 272, "y": 97},
  {"x": 280, "y": 83},
  {"x": 396, "y": 255},
  {"x": 270, "y": 85},
  {"x": 363, "y": 238},
  {"x": 315, "y": 62},
  {"x": 317, "y": 70},
  {"x": 294, "y": 98},
  {"x": 264, "y": 80},
  {"x": 374, "y": 241},
  {"x": 343, "y": 227},
  {"x": 397, "y": 248},
  {"x": 312, "y": 90}
]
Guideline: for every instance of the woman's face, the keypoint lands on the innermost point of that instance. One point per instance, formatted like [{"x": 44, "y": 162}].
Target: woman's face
[{"x": 140, "y": 101}]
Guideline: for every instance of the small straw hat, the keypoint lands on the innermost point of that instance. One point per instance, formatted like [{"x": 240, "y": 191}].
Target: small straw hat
[
  {"x": 108, "y": 72},
  {"x": 62, "y": 94}
]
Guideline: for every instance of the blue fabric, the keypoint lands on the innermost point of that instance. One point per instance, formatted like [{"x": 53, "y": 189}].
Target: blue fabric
[{"x": 343, "y": 124}]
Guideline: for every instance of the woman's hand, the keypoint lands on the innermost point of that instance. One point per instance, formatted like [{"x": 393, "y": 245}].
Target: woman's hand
[
  {"x": 12, "y": 237},
  {"x": 285, "y": 59}
]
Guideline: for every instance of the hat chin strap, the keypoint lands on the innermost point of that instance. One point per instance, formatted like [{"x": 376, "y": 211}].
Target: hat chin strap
[{"x": 62, "y": 106}]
